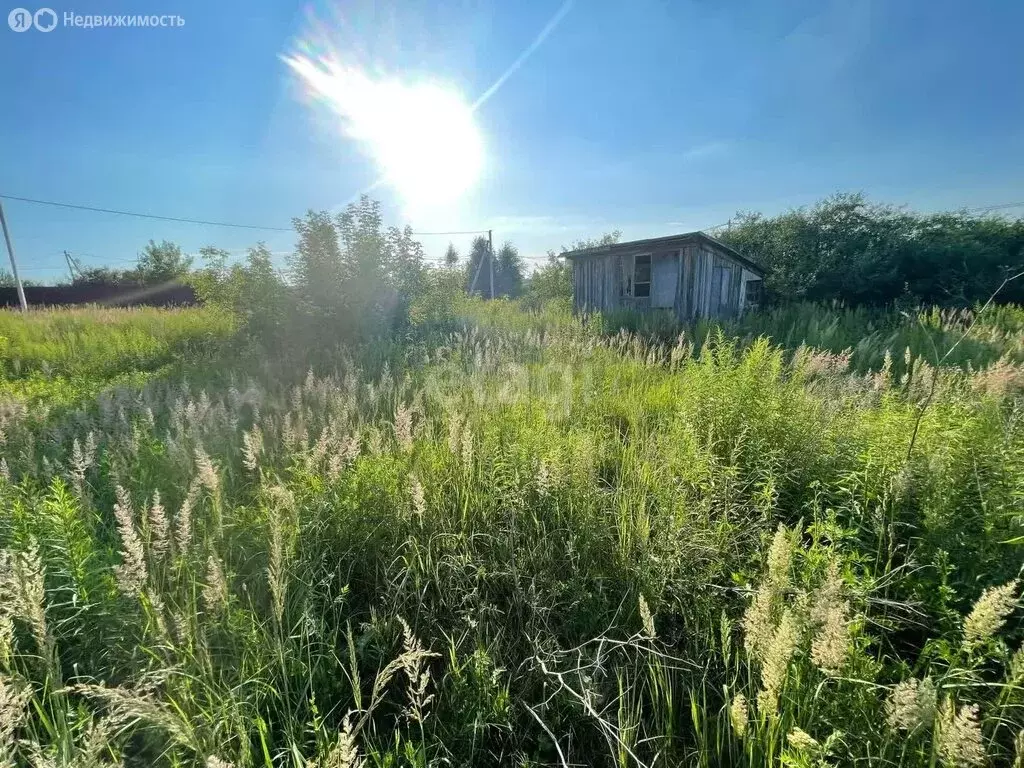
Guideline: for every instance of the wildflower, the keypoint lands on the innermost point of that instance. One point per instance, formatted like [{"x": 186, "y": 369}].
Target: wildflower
[
  {"x": 215, "y": 590},
  {"x": 131, "y": 573},
  {"x": 776, "y": 659},
  {"x": 159, "y": 527},
  {"x": 911, "y": 704},
  {"x": 646, "y": 617},
  {"x": 990, "y": 612},
  {"x": 959, "y": 738},
  {"x": 738, "y": 713},
  {"x": 802, "y": 741}
]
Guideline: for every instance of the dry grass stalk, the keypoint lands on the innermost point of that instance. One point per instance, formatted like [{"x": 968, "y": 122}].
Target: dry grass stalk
[
  {"x": 14, "y": 698},
  {"x": 738, "y": 715},
  {"x": 183, "y": 521},
  {"x": 990, "y": 613},
  {"x": 959, "y": 739},
  {"x": 22, "y": 595},
  {"x": 414, "y": 663},
  {"x": 646, "y": 618},
  {"x": 131, "y": 573},
  {"x": 343, "y": 753},
  {"x": 252, "y": 447},
  {"x": 911, "y": 704},
  {"x": 215, "y": 590},
  {"x": 830, "y": 615},
  {"x": 775, "y": 663},
  {"x": 159, "y": 528}
]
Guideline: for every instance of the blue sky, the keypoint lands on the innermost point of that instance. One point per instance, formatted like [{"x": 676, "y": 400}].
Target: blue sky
[{"x": 648, "y": 117}]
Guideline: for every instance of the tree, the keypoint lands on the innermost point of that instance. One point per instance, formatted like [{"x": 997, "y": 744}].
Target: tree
[
  {"x": 508, "y": 271},
  {"x": 845, "y": 248},
  {"x": 451, "y": 256},
  {"x": 316, "y": 268},
  {"x": 352, "y": 275},
  {"x": 105, "y": 276},
  {"x": 162, "y": 263}
]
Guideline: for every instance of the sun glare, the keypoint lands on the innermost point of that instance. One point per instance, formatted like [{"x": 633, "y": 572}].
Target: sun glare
[{"x": 421, "y": 135}]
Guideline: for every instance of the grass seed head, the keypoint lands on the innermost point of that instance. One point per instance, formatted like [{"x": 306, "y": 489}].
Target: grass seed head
[
  {"x": 775, "y": 664},
  {"x": 802, "y": 741},
  {"x": 959, "y": 738},
  {"x": 159, "y": 527},
  {"x": 131, "y": 573},
  {"x": 738, "y": 714},
  {"x": 990, "y": 612},
  {"x": 911, "y": 704}
]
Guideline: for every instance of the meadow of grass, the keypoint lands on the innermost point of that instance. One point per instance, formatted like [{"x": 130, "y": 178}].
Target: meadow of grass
[
  {"x": 63, "y": 355},
  {"x": 530, "y": 541}
]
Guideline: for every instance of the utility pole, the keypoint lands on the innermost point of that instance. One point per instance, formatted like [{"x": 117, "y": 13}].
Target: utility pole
[
  {"x": 476, "y": 275},
  {"x": 14, "y": 264},
  {"x": 490, "y": 250},
  {"x": 71, "y": 264}
]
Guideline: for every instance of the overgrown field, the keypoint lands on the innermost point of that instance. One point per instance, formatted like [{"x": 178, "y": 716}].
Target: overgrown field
[{"x": 526, "y": 542}]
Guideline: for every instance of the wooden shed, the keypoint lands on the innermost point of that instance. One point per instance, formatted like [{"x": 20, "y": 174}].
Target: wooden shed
[{"x": 692, "y": 275}]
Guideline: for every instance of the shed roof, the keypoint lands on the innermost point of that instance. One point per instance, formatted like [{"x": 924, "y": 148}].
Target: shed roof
[{"x": 672, "y": 241}]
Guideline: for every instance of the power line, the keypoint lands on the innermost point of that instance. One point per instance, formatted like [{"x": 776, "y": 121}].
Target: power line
[
  {"x": 144, "y": 215},
  {"x": 998, "y": 207},
  {"x": 183, "y": 220},
  {"x": 466, "y": 232}
]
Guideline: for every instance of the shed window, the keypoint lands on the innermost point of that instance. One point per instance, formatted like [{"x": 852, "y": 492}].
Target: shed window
[
  {"x": 636, "y": 276},
  {"x": 642, "y": 276},
  {"x": 753, "y": 292}
]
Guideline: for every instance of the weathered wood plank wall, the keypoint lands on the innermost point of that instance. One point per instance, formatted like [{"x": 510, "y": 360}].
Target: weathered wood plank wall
[{"x": 597, "y": 285}]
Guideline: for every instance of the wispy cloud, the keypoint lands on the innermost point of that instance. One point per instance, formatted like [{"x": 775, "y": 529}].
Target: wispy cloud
[{"x": 710, "y": 149}]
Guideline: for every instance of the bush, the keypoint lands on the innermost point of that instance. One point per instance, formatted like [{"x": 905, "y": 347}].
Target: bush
[{"x": 845, "y": 248}]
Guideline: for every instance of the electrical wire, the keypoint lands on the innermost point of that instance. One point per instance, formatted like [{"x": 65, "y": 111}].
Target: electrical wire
[{"x": 144, "y": 215}]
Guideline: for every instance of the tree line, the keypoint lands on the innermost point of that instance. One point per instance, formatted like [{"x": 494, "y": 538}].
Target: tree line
[
  {"x": 848, "y": 249},
  {"x": 349, "y": 270}
]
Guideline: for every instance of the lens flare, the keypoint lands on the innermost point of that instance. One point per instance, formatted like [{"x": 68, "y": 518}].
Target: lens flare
[{"x": 422, "y": 135}]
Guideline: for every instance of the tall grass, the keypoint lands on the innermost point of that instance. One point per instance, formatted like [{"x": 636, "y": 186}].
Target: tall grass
[
  {"x": 50, "y": 353},
  {"x": 527, "y": 542}
]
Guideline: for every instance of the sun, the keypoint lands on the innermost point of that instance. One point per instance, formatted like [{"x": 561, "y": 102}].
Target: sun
[{"x": 422, "y": 135}]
